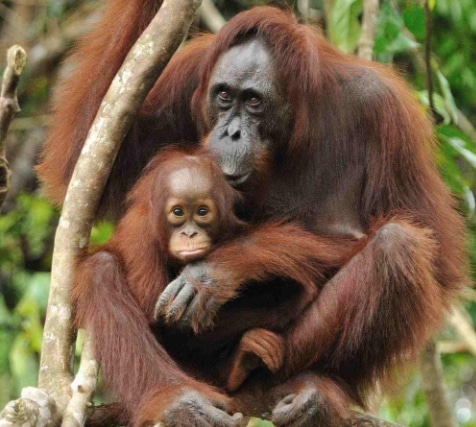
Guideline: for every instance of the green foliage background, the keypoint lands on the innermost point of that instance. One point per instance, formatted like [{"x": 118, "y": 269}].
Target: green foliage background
[{"x": 27, "y": 227}]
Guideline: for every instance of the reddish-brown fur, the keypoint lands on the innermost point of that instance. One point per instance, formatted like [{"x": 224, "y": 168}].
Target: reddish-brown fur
[
  {"x": 116, "y": 287},
  {"x": 360, "y": 158}
]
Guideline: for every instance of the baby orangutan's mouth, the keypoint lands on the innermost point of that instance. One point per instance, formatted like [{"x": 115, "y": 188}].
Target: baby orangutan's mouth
[{"x": 192, "y": 254}]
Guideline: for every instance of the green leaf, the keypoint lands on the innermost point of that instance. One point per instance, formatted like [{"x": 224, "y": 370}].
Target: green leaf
[
  {"x": 414, "y": 19},
  {"x": 37, "y": 215},
  {"x": 23, "y": 362},
  {"x": 6, "y": 339},
  {"x": 469, "y": 199},
  {"x": 343, "y": 24},
  {"x": 256, "y": 422},
  {"x": 101, "y": 233},
  {"x": 452, "y": 131},
  {"x": 439, "y": 103},
  {"x": 32, "y": 307},
  {"x": 391, "y": 37},
  {"x": 460, "y": 145},
  {"x": 448, "y": 96}
]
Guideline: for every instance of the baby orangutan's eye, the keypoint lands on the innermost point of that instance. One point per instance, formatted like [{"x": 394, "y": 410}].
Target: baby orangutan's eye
[{"x": 178, "y": 211}]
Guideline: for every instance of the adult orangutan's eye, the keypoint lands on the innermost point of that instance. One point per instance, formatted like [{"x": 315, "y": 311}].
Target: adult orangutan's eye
[
  {"x": 224, "y": 96},
  {"x": 254, "y": 101}
]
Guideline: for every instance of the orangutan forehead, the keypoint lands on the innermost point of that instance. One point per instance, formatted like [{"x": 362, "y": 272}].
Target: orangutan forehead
[
  {"x": 190, "y": 181},
  {"x": 249, "y": 63}
]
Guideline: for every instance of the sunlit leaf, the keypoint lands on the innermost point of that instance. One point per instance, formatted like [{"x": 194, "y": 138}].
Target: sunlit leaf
[
  {"x": 256, "y": 422},
  {"x": 460, "y": 146},
  {"x": 451, "y": 131},
  {"x": 448, "y": 96},
  {"x": 343, "y": 24},
  {"x": 438, "y": 102},
  {"x": 101, "y": 233},
  {"x": 469, "y": 199}
]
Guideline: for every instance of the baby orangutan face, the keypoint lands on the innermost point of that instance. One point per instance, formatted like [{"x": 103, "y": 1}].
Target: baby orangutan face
[{"x": 191, "y": 213}]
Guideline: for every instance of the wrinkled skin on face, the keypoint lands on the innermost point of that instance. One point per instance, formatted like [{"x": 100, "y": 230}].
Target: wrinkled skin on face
[
  {"x": 191, "y": 215},
  {"x": 248, "y": 112}
]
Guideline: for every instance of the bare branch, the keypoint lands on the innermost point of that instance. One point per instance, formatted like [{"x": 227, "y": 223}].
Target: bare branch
[
  {"x": 365, "y": 420},
  {"x": 308, "y": 13},
  {"x": 434, "y": 388},
  {"x": 369, "y": 23},
  {"x": 16, "y": 60},
  {"x": 211, "y": 16},
  {"x": 33, "y": 409},
  {"x": 126, "y": 94},
  {"x": 83, "y": 388},
  {"x": 450, "y": 347},
  {"x": 304, "y": 8},
  {"x": 459, "y": 319}
]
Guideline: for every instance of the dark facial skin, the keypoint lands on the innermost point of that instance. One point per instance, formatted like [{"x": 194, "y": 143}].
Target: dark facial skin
[
  {"x": 247, "y": 109},
  {"x": 191, "y": 215}
]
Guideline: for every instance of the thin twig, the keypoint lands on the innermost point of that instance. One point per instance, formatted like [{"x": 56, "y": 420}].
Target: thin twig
[
  {"x": 429, "y": 74},
  {"x": 16, "y": 60}
]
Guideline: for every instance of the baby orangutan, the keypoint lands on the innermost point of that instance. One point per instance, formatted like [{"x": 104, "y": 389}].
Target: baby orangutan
[{"x": 195, "y": 224}]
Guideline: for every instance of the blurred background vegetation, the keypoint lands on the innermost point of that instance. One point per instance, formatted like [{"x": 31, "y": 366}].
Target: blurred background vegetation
[{"x": 48, "y": 28}]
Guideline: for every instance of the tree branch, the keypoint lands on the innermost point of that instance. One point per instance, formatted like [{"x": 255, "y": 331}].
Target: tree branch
[
  {"x": 369, "y": 23},
  {"x": 365, "y": 420},
  {"x": 434, "y": 389},
  {"x": 83, "y": 387},
  {"x": 211, "y": 16},
  {"x": 16, "y": 60},
  {"x": 126, "y": 94},
  {"x": 33, "y": 409},
  {"x": 460, "y": 322}
]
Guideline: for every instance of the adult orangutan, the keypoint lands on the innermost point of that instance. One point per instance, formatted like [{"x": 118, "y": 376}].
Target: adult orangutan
[{"x": 347, "y": 151}]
